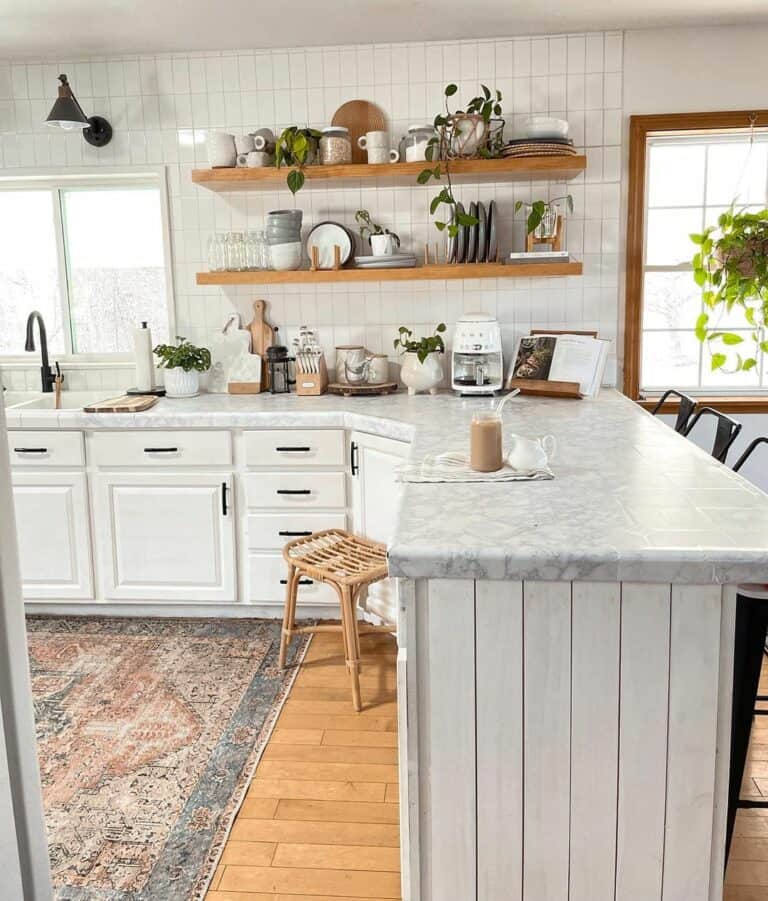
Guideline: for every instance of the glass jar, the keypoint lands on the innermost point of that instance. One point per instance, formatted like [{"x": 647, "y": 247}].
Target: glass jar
[
  {"x": 416, "y": 141},
  {"x": 254, "y": 253},
  {"x": 217, "y": 253},
  {"x": 235, "y": 252},
  {"x": 335, "y": 146},
  {"x": 485, "y": 454}
]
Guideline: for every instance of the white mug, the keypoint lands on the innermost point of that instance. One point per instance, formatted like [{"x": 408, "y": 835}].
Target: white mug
[
  {"x": 258, "y": 158},
  {"x": 530, "y": 454},
  {"x": 244, "y": 143},
  {"x": 382, "y": 245},
  {"x": 378, "y": 155},
  {"x": 373, "y": 139}
]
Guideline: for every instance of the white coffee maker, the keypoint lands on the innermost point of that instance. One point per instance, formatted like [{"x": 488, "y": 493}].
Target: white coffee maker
[{"x": 476, "y": 363}]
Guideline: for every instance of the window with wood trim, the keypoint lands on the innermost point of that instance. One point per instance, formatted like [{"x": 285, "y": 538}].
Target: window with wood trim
[{"x": 685, "y": 170}]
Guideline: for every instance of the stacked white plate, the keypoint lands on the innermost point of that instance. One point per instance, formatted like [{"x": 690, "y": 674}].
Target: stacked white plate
[{"x": 394, "y": 261}]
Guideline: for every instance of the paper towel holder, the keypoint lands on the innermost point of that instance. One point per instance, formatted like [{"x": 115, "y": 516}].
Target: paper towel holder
[{"x": 156, "y": 391}]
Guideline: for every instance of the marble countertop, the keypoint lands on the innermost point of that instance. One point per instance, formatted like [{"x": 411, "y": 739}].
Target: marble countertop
[{"x": 631, "y": 500}]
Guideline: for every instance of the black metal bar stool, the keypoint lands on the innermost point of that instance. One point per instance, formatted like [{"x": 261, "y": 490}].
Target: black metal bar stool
[
  {"x": 725, "y": 434},
  {"x": 684, "y": 411}
]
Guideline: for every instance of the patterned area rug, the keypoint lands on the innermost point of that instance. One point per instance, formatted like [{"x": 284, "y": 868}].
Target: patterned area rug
[{"x": 148, "y": 733}]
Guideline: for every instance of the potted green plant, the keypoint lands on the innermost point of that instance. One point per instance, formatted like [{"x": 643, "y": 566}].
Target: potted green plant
[
  {"x": 422, "y": 369},
  {"x": 182, "y": 363},
  {"x": 542, "y": 215},
  {"x": 731, "y": 268},
  {"x": 461, "y": 134},
  {"x": 296, "y": 147},
  {"x": 380, "y": 239}
]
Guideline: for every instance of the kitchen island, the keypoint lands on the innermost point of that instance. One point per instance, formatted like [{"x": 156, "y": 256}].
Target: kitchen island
[{"x": 565, "y": 646}]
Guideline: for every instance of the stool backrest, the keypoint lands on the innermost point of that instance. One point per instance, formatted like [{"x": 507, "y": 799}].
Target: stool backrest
[
  {"x": 748, "y": 452},
  {"x": 725, "y": 433},
  {"x": 684, "y": 411}
]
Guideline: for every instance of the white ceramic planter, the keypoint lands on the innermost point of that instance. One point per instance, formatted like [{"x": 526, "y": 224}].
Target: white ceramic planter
[
  {"x": 181, "y": 384},
  {"x": 424, "y": 376}
]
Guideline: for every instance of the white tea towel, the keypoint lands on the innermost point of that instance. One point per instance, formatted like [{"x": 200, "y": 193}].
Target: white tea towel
[{"x": 454, "y": 467}]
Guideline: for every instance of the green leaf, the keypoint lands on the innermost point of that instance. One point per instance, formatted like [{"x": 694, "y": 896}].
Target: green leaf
[
  {"x": 701, "y": 326},
  {"x": 466, "y": 219},
  {"x": 440, "y": 327},
  {"x": 749, "y": 363},
  {"x": 697, "y": 239},
  {"x": 441, "y": 225},
  {"x": 436, "y": 201},
  {"x": 486, "y": 91},
  {"x": 731, "y": 339},
  {"x": 424, "y": 176},
  {"x": 700, "y": 277},
  {"x": 295, "y": 180},
  {"x": 718, "y": 360},
  {"x": 450, "y": 90}
]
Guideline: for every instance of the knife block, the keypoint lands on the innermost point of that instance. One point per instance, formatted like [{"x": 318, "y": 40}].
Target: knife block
[{"x": 312, "y": 384}]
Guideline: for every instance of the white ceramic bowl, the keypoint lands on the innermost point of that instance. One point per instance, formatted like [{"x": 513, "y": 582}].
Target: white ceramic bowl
[
  {"x": 545, "y": 127},
  {"x": 285, "y": 256}
]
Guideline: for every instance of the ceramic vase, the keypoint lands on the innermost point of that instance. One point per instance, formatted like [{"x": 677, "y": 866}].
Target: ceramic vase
[
  {"x": 179, "y": 383},
  {"x": 419, "y": 376}
]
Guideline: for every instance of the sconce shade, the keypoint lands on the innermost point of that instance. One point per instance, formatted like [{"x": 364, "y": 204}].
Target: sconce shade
[{"x": 67, "y": 114}]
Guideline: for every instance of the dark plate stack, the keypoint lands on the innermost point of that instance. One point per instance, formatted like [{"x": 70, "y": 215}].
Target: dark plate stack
[{"x": 523, "y": 147}]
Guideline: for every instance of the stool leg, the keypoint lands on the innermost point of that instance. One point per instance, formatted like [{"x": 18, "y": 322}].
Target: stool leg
[
  {"x": 289, "y": 615},
  {"x": 352, "y": 642}
]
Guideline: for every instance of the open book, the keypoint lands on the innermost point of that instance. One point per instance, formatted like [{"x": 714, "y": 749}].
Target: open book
[{"x": 562, "y": 358}]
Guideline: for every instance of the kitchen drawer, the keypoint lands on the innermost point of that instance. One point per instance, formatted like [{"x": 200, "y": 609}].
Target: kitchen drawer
[
  {"x": 295, "y": 447},
  {"x": 273, "y": 530},
  {"x": 46, "y": 448},
  {"x": 290, "y": 490},
  {"x": 161, "y": 448},
  {"x": 267, "y": 578}
]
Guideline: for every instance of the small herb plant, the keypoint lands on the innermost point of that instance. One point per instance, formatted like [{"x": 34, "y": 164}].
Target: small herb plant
[
  {"x": 368, "y": 227},
  {"x": 406, "y": 344},
  {"x": 293, "y": 148},
  {"x": 731, "y": 268},
  {"x": 183, "y": 356},
  {"x": 442, "y": 148},
  {"x": 539, "y": 210}
]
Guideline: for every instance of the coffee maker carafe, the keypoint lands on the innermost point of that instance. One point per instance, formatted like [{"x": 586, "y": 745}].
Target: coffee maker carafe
[{"x": 476, "y": 362}]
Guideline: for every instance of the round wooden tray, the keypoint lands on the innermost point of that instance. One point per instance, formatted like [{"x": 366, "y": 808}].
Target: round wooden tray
[{"x": 361, "y": 390}]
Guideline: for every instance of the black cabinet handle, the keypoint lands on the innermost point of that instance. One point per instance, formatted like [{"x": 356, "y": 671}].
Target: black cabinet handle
[
  {"x": 353, "y": 464},
  {"x": 301, "y": 582},
  {"x": 161, "y": 450},
  {"x": 30, "y": 450},
  {"x": 285, "y": 534},
  {"x": 293, "y": 491},
  {"x": 224, "y": 507},
  {"x": 293, "y": 450}
]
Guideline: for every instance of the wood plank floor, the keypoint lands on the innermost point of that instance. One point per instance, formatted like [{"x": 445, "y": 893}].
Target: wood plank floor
[
  {"x": 747, "y": 875},
  {"x": 320, "y": 821}
]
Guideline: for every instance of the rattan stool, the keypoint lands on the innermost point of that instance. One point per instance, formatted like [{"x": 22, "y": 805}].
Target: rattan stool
[{"x": 350, "y": 564}]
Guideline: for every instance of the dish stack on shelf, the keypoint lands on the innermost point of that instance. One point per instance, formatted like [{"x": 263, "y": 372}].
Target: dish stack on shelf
[
  {"x": 544, "y": 136},
  {"x": 284, "y": 239},
  {"x": 477, "y": 243},
  {"x": 392, "y": 261}
]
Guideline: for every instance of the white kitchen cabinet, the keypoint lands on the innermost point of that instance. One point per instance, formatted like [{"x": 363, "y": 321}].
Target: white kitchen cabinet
[
  {"x": 166, "y": 536},
  {"x": 52, "y": 524}
]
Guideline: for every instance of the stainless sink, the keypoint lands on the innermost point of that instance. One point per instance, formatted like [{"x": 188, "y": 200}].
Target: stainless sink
[{"x": 70, "y": 400}]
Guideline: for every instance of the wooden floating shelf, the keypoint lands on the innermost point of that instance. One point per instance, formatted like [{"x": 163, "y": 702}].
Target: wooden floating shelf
[
  {"x": 440, "y": 271},
  {"x": 268, "y": 177}
]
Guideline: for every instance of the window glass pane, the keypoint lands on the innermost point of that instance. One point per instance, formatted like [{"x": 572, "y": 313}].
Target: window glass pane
[
  {"x": 28, "y": 269},
  {"x": 115, "y": 261},
  {"x": 730, "y": 379},
  {"x": 676, "y": 175},
  {"x": 668, "y": 242},
  {"x": 670, "y": 360},
  {"x": 671, "y": 300},
  {"x": 736, "y": 172}
]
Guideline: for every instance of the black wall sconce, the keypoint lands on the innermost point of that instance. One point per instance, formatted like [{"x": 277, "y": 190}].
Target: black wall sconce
[{"x": 68, "y": 114}]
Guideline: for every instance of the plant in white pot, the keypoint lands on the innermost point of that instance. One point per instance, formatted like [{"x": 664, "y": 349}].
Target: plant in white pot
[
  {"x": 422, "y": 369},
  {"x": 182, "y": 364}
]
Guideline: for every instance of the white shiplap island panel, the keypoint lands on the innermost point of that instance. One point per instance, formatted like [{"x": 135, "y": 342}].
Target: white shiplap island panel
[{"x": 567, "y": 737}]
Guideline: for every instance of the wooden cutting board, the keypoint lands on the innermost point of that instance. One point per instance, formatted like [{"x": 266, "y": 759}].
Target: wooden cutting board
[
  {"x": 262, "y": 337},
  {"x": 128, "y": 403},
  {"x": 359, "y": 116}
]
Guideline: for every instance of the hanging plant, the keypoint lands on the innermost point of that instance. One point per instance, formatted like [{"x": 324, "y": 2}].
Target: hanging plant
[
  {"x": 543, "y": 211},
  {"x": 462, "y": 135},
  {"x": 731, "y": 268},
  {"x": 296, "y": 147}
]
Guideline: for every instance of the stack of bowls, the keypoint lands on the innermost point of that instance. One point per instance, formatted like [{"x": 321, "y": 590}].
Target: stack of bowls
[{"x": 284, "y": 238}]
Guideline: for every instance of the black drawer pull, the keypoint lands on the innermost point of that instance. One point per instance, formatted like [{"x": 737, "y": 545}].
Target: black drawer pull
[
  {"x": 30, "y": 450},
  {"x": 285, "y": 534},
  {"x": 301, "y": 582},
  {"x": 224, "y": 507},
  {"x": 293, "y": 491},
  {"x": 161, "y": 450},
  {"x": 293, "y": 450}
]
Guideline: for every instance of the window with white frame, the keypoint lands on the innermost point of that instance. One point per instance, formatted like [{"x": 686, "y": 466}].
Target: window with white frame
[
  {"x": 690, "y": 180},
  {"x": 90, "y": 253}
]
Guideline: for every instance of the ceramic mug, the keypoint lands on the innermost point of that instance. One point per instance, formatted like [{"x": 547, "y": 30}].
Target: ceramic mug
[
  {"x": 530, "y": 454},
  {"x": 379, "y": 155},
  {"x": 373, "y": 139},
  {"x": 244, "y": 143},
  {"x": 258, "y": 158},
  {"x": 262, "y": 137},
  {"x": 382, "y": 245}
]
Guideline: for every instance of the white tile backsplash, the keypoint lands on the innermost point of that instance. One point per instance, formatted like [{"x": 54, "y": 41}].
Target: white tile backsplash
[{"x": 162, "y": 106}]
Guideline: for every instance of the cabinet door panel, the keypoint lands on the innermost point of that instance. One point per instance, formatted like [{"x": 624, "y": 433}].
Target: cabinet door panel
[
  {"x": 376, "y": 491},
  {"x": 167, "y": 537},
  {"x": 53, "y": 534}
]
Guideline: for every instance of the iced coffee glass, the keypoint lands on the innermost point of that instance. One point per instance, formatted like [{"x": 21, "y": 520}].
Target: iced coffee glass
[{"x": 485, "y": 453}]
